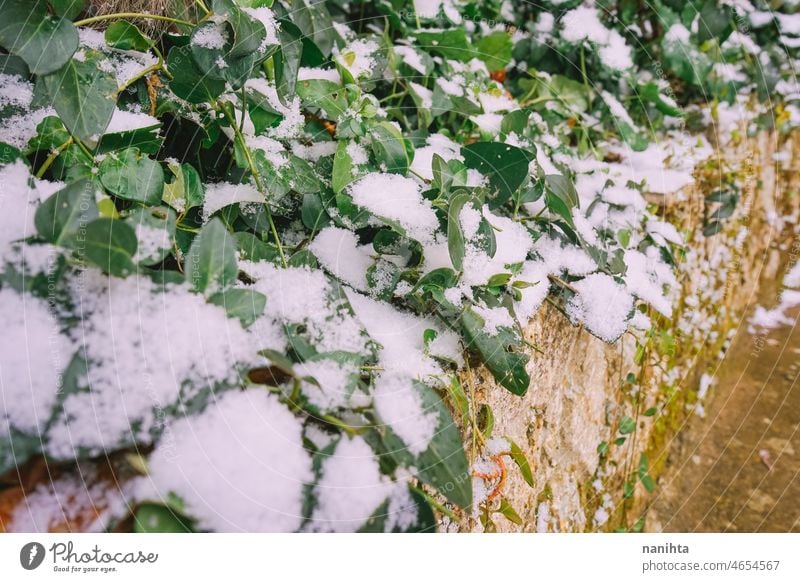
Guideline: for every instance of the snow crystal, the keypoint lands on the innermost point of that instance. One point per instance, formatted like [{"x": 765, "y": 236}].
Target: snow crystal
[
  {"x": 494, "y": 318},
  {"x": 399, "y": 404},
  {"x": 303, "y": 296},
  {"x": 401, "y": 336},
  {"x": 33, "y": 355},
  {"x": 602, "y": 305},
  {"x": 223, "y": 194},
  {"x": 266, "y": 17},
  {"x": 135, "y": 339},
  {"x": 412, "y": 58},
  {"x": 130, "y": 121},
  {"x": 435, "y": 144},
  {"x": 397, "y": 198},
  {"x": 313, "y": 73},
  {"x": 15, "y": 91},
  {"x": 211, "y": 37},
  {"x": 331, "y": 391},
  {"x": 351, "y": 488},
  {"x": 239, "y": 467},
  {"x": 358, "y": 58},
  {"x": 338, "y": 251}
]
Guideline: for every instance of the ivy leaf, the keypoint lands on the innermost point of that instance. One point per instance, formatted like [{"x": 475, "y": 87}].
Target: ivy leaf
[
  {"x": 495, "y": 50},
  {"x": 125, "y": 35},
  {"x": 110, "y": 244},
  {"x": 160, "y": 222},
  {"x": 315, "y": 22},
  {"x": 245, "y": 304},
  {"x": 211, "y": 261},
  {"x": 69, "y": 9},
  {"x": 504, "y": 165},
  {"x": 509, "y": 512},
  {"x": 157, "y": 518},
  {"x": 45, "y": 42},
  {"x": 287, "y": 59},
  {"x": 248, "y": 33},
  {"x": 186, "y": 190},
  {"x": 451, "y": 44},
  {"x": 561, "y": 197},
  {"x": 456, "y": 245},
  {"x": 131, "y": 176},
  {"x": 391, "y": 148},
  {"x": 188, "y": 81},
  {"x": 84, "y": 95},
  {"x": 518, "y": 456},
  {"x": 342, "y": 168},
  {"x": 506, "y": 365},
  {"x": 443, "y": 464},
  {"x": 327, "y": 95},
  {"x": 62, "y": 215}
]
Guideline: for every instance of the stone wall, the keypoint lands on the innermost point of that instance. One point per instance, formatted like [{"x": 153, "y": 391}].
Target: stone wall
[{"x": 581, "y": 388}]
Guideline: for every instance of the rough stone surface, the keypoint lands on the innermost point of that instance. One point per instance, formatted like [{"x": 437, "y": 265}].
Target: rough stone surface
[{"x": 579, "y": 392}]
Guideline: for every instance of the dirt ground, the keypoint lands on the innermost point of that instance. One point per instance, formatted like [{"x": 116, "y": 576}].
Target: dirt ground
[{"x": 738, "y": 469}]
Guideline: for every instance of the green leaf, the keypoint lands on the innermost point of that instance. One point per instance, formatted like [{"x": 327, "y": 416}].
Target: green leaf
[
  {"x": 560, "y": 196},
  {"x": 157, "y": 518},
  {"x": 69, "y": 9},
  {"x": 45, "y": 42},
  {"x": 342, "y": 168},
  {"x": 158, "y": 222},
  {"x": 458, "y": 397},
  {"x": 245, "y": 304},
  {"x": 495, "y": 50},
  {"x": 504, "y": 165},
  {"x": 84, "y": 95},
  {"x": 211, "y": 261},
  {"x": 327, "y": 95},
  {"x": 451, "y": 44},
  {"x": 715, "y": 22},
  {"x": 188, "y": 81},
  {"x": 315, "y": 22},
  {"x": 287, "y": 59},
  {"x": 518, "y": 456},
  {"x": 509, "y": 512},
  {"x": 443, "y": 464},
  {"x": 390, "y": 148},
  {"x": 248, "y": 33},
  {"x": 456, "y": 245},
  {"x": 110, "y": 244},
  {"x": 497, "y": 352},
  {"x": 59, "y": 218},
  {"x": 131, "y": 176},
  {"x": 186, "y": 190},
  {"x": 125, "y": 35},
  {"x": 627, "y": 425}
]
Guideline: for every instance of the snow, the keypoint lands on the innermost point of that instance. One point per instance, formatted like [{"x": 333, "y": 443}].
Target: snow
[
  {"x": 150, "y": 241},
  {"x": 488, "y": 122},
  {"x": 130, "y": 121},
  {"x": 351, "y": 488},
  {"x": 602, "y": 305},
  {"x": 304, "y": 296},
  {"x": 411, "y": 58},
  {"x": 494, "y": 318},
  {"x": 331, "y": 390},
  {"x": 397, "y": 198},
  {"x": 646, "y": 277},
  {"x": 15, "y": 91},
  {"x": 400, "y": 335},
  {"x": 513, "y": 243},
  {"x": 19, "y": 198},
  {"x": 222, "y": 194},
  {"x": 358, "y": 58},
  {"x": 399, "y": 405},
  {"x": 240, "y": 466},
  {"x": 339, "y": 253},
  {"x": 140, "y": 363},
  {"x": 438, "y": 144},
  {"x": 293, "y": 121},
  {"x": 79, "y": 501},
  {"x": 266, "y": 17},
  {"x": 312, "y": 73},
  {"x": 33, "y": 355},
  {"x": 211, "y": 37}
]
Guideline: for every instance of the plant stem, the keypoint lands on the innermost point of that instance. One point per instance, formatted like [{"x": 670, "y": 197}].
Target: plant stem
[
  {"x": 52, "y": 157},
  {"x": 202, "y": 6},
  {"x": 142, "y": 74},
  {"x": 256, "y": 177},
  {"x": 93, "y": 19}
]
